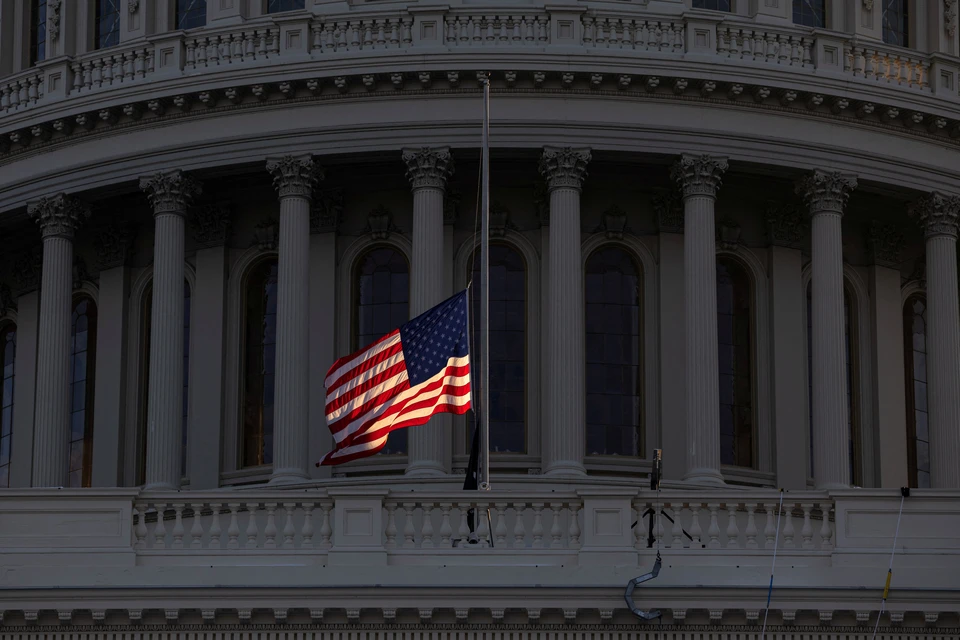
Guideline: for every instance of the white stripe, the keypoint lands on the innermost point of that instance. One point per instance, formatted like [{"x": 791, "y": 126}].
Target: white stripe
[
  {"x": 365, "y": 397},
  {"x": 378, "y": 410},
  {"x": 352, "y": 383},
  {"x": 363, "y": 355}
]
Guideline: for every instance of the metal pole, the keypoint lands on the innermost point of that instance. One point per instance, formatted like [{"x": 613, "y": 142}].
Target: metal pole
[{"x": 485, "y": 289}]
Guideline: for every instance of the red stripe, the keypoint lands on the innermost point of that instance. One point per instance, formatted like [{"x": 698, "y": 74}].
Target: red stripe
[
  {"x": 344, "y": 421},
  {"x": 400, "y": 423},
  {"x": 366, "y": 365},
  {"x": 348, "y": 396},
  {"x": 356, "y": 354}
]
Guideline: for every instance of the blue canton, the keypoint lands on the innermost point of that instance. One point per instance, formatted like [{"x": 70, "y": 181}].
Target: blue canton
[{"x": 435, "y": 336}]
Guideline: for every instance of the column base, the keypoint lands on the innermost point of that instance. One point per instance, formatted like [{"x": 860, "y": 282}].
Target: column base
[
  {"x": 829, "y": 486},
  {"x": 160, "y": 486},
  {"x": 288, "y": 476},
  {"x": 565, "y": 468},
  {"x": 704, "y": 477},
  {"x": 425, "y": 469}
]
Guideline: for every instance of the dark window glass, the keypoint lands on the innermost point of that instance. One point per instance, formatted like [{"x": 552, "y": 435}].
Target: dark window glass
[
  {"x": 108, "y": 23},
  {"x": 8, "y": 356},
  {"x": 810, "y": 13},
  {"x": 260, "y": 344},
  {"x": 381, "y": 304},
  {"x": 613, "y": 352},
  {"x": 508, "y": 347},
  {"x": 38, "y": 30},
  {"x": 83, "y": 350},
  {"x": 715, "y": 5},
  {"x": 734, "y": 345},
  {"x": 915, "y": 359},
  {"x": 145, "y": 375},
  {"x": 191, "y": 14},
  {"x": 850, "y": 349},
  {"x": 896, "y": 22},
  {"x": 276, "y": 6}
]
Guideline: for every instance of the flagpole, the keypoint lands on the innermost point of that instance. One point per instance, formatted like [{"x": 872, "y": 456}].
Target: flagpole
[{"x": 485, "y": 289}]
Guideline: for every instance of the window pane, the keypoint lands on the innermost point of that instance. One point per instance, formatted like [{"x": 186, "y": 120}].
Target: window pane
[
  {"x": 715, "y": 5},
  {"x": 896, "y": 22},
  {"x": 810, "y": 13},
  {"x": 915, "y": 361},
  {"x": 38, "y": 31},
  {"x": 83, "y": 357},
  {"x": 191, "y": 14},
  {"x": 260, "y": 320},
  {"x": 275, "y": 6},
  {"x": 734, "y": 320},
  {"x": 108, "y": 23},
  {"x": 614, "y": 413}
]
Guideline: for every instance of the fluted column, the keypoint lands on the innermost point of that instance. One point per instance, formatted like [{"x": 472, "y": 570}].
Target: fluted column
[
  {"x": 938, "y": 215},
  {"x": 564, "y": 169},
  {"x": 699, "y": 179},
  {"x": 170, "y": 194},
  {"x": 826, "y": 194},
  {"x": 294, "y": 179},
  {"x": 58, "y": 217},
  {"x": 428, "y": 170}
]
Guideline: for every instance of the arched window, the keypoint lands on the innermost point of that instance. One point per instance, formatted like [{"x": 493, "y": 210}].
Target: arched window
[
  {"x": 810, "y": 13},
  {"x": 735, "y": 357},
  {"x": 82, "y": 366},
  {"x": 191, "y": 14},
  {"x": 147, "y": 316},
  {"x": 107, "y": 24},
  {"x": 8, "y": 357},
  {"x": 508, "y": 346},
  {"x": 851, "y": 354},
  {"x": 915, "y": 359},
  {"x": 613, "y": 354},
  {"x": 381, "y": 288},
  {"x": 896, "y": 22},
  {"x": 259, "y": 355},
  {"x": 38, "y": 31}
]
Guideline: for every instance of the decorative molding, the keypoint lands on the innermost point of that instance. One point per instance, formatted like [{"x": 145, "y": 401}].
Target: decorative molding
[
  {"x": 113, "y": 244},
  {"x": 613, "y": 222},
  {"x": 326, "y": 210},
  {"x": 784, "y": 225},
  {"x": 886, "y": 244},
  {"x": 170, "y": 192},
  {"x": 564, "y": 167},
  {"x": 868, "y": 5},
  {"x": 7, "y": 301},
  {"x": 699, "y": 175},
  {"x": 500, "y": 220},
  {"x": 451, "y": 206},
  {"x": 134, "y": 6},
  {"x": 53, "y": 19},
  {"x": 668, "y": 208},
  {"x": 937, "y": 214},
  {"x": 211, "y": 224},
  {"x": 950, "y": 17},
  {"x": 59, "y": 216},
  {"x": 826, "y": 191},
  {"x": 27, "y": 266},
  {"x": 81, "y": 273},
  {"x": 428, "y": 168},
  {"x": 266, "y": 235},
  {"x": 294, "y": 176},
  {"x": 380, "y": 223},
  {"x": 727, "y": 234}
]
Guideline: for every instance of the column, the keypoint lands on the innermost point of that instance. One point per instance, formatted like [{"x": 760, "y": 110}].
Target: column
[
  {"x": 938, "y": 215},
  {"x": 59, "y": 217},
  {"x": 170, "y": 193},
  {"x": 294, "y": 178},
  {"x": 564, "y": 169},
  {"x": 428, "y": 170},
  {"x": 699, "y": 179},
  {"x": 825, "y": 194}
]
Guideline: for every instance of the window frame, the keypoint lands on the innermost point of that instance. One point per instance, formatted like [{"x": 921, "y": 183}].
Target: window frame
[
  {"x": 267, "y": 11},
  {"x": 176, "y": 16},
  {"x": 827, "y": 7},
  {"x": 909, "y": 386},
  {"x": 36, "y": 26},
  {"x": 908, "y": 24},
  {"x": 98, "y": 16}
]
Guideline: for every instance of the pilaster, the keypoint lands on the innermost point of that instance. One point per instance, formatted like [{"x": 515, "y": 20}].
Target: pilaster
[{"x": 24, "y": 391}]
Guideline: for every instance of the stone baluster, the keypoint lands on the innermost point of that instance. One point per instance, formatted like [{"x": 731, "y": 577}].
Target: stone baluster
[
  {"x": 426, "y": 530},
  {"x": 500, "y": 533},
  {"x": 196, "y": 528},
  {"x": 537, "y": 525},
  {"x": 253, "y": 530},
  {"x": 140, "y": 530},
  {"x": 696, "y": 532},
  {"x": 556, "y": 533},
  {"x": 215, "y": 530},
  {"x": 483, "y": 524},
  {"x": 770, "y": 529},
  {"x": 807, "y": 531},
  {"x": 233, "y": 529},
  {"x": 289, "y": 531},
  {"x": 676, "y": 531},
  {"x": 564, "y": 441},
  {"x": 170, "y": 193},
  {"x": 446, "y": 530},
  {"x": 391, "y": 531},
  {"x": 751, "y": 531},
  {"x": 519, "y": 527},
  {"x": 573, "y": 533},
  {"x": 699, "y": 179},
  {"x": 733, "y": 531},
  {"x": 270, "y": 531},
  {"x": 428, "y": 170},
  {"x": 713, "y": 531},
  {"x": 408, "y": 530},
  {"x": 788, "y": 530},
  {"x": 178, "y": 526},
  {"x": 294, "y": 178},
  {"x": 938, "y": 215},
  {"x": 826, "y": 194},
  {"x": 306, "y": 534},
  {"x": 160, "y": 529},
  {"x": 59, "y": 217},
  {"x": 826, "y": 530},
  {"x": 463, "y": 533}
]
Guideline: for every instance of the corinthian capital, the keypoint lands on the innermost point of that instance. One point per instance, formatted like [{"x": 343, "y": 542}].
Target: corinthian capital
[
  {"x": 294, "y": 175},
  {"x": 698, "y": 175},
  {"x": 564, "y": 167},
  {"x": 937, "y": 214},
  {"x": 170, "y": 191},
  {"x": 428, "y": 168},
  {"x": 826, "y": 190},
  {"x": 58, "y": 216}
]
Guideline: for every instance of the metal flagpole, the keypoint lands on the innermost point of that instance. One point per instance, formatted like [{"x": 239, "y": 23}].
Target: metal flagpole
[{"x": 485, "y": 288}]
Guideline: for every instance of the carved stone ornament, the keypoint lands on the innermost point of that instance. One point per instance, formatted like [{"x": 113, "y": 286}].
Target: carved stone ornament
[
  {"x": 53, "y": 19},
  {"x": 7, "y": 301},
  {"x": 919, "y": 273},
  {"x": 294, "y": 175},
  {"x": 427, "y": 167},
  {"x": 170, "y": 191},
  {"x": 27, "y": 266},
  {"x": 868, "y": 5},
  {"x": 937, "y": 214},
  {"x": 784, "y": 226},
  {"x": 80, "y": 272},
  {"x": 541, "y": 202},
  {"x": 698, "y": 175},
  {"x": 613, "y": 223},
  {"x": 211, "y": 225},
  {"x": 728, "y": 234},
  {"x": 826, "y": 191},
  {"x": 451, "y": 206},
  {"x": 380, "y": 223},
  {"x": 266, "y": 235},
  {"x": 326, "y": 212},
  {"x": 564, "y": 168},
  {"x": 499, "y": 220},
  {"x": 950, "y": 17},
  {"x": 668, "y": 208},
  {"x": 59, "y": 216},
  {"x": 134, "y": 6},
  {"x": 886, "y": 243},
  {"x": 113, "y": 243}
]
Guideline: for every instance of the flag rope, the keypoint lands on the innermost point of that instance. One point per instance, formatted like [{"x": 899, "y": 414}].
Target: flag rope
[
  {"x": 773, "y": 566},
  {"x": 904, "y": 492}
]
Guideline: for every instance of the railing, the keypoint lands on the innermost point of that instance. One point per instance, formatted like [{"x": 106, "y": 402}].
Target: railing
[
  {"x": 629, "y": 33},
  {"x": 765, "y": 45},
  {"x": 99, "y": 70},
  {"x": 21, "y": 91},
  {"x": 886, "y": 64}
]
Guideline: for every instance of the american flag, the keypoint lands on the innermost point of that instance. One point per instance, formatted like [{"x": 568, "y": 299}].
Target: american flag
[{"x": 401, "y": 380}]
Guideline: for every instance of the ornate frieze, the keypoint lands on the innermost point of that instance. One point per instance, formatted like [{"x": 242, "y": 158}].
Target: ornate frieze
[
  {"x": 211, "y": 225},
  {"x": 266, "y": 235},
  {"x": 668, "y": 208},
  {"x": 613, "y": 222},
  {"x": 58, "y": 216},
  {"x": 326, "y": 211},
  {"x": 380, "y": 223},
  {"x": 499, "y": 220},
  {"x": 170, "y": 191},
  {"x": 826, "y": 190},
  {"x": 294, "y": 175},
  {"x": 698, "y": 175},
  {"x": 53, "y": 19},
  {"x": 784, "y": 225},
  {"x": 886, "y": 243},
  {"x": 564, "y": 168},
  {"x": 113, "y": 244},
  {"x": 428, "y": 167},
  {"x": 937, "y": 214}
]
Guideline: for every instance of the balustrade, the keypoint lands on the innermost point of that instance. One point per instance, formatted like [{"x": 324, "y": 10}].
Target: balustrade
[
  {"x": 496, "y": 30},
  {"x": 112, "y": 68},
  {"x": 21, "y": 92},
  {"x": 627, "y": 33}
]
